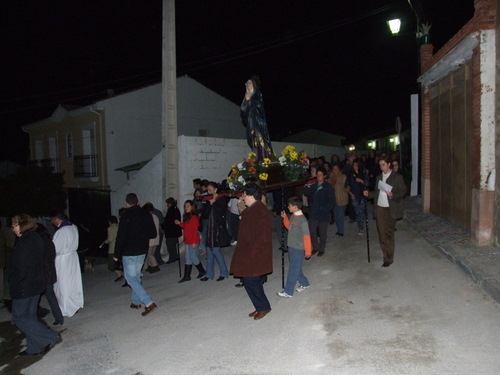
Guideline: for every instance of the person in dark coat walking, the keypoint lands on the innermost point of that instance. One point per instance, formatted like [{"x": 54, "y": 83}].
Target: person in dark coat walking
[
  {"x": 135, "y": 230},
  {"x": 171, "y": 230},
  {"x": 253, "y": 258},
  {"x": 321, "y": 193},
  {"x": 217, "y": 234},
  {"x": 27, "y": 281},
  {"x": 50, "y": 274}
]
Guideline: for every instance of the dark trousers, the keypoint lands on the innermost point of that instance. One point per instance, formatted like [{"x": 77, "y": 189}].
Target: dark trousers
[
  {"x": 385, "y": 227},
  {"x": 255, "y": 289},
  {"x": 171, "y": 243},
  {"x": 24, "y": 316},
  {"x": 351, "y": 211},
  {"x": 234, "y": 225},
  {"x": 54, "y": 304},
  {"x": 316, "y": 226},
  {"x": 158, "y": 258}
]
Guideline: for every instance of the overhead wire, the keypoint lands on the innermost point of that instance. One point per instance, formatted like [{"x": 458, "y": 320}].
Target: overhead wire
[{"x": 205, "y": 62}]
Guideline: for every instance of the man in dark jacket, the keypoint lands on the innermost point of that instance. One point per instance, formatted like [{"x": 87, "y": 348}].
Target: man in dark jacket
[
  {"x": 321, "y": 193},
  {"x": 253, "y": 256},
  {"x": 27, "y": 281},
  {"x": 132, "y": 242}
]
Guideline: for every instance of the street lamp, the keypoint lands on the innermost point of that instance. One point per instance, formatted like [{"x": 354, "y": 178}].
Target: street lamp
[{"x": 394, "y": 25}]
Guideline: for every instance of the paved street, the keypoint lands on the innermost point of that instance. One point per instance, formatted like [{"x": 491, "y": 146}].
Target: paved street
[{"x": 422, "y": 315}]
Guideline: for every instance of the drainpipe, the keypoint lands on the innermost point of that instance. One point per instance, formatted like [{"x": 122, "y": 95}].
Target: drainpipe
[{"x": 102, "y": 150}]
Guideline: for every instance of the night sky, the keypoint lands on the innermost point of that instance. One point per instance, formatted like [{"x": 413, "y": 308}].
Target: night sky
[{"x": 329, "y": 65}]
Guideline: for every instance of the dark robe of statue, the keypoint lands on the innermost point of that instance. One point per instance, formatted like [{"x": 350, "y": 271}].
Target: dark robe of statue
[{"x": 254, "y": 120}]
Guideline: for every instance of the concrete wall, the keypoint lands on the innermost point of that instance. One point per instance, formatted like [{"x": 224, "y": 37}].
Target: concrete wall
[{"x": 496, "y": 227}]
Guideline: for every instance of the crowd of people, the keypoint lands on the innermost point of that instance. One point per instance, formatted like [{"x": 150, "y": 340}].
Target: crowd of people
[
  {"x": 141, "y": 239},
  {"x": 39, "y": 264}
]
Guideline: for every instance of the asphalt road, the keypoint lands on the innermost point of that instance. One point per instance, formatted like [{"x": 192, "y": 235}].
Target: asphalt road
[{"x": 419, "y": 316}]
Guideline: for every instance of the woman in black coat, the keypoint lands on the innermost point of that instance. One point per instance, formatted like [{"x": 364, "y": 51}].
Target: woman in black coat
[
  {"x": 27, "y": 280},
  {"x": 50, "y": 274},
  {"x": 172, "y": 231},
  {"x": 217, "y": 235}
]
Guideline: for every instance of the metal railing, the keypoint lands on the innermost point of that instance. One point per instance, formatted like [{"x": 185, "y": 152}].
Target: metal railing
[{"x": 85, "y": 166}]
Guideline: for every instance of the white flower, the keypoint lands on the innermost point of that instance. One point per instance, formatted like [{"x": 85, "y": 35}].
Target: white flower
[
  {"x": 231, "y": 186},
  {"x": 282, "y": 160},
  {"x": 240, "y": 166},
  {"x": 241, "y": 179}
]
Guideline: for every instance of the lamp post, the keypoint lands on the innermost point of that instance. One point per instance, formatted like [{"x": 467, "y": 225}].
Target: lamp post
[{"x": 421, "y": 36}]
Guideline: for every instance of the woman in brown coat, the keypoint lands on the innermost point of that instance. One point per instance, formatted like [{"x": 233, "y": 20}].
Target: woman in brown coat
[{"x": 253, "y": 256}]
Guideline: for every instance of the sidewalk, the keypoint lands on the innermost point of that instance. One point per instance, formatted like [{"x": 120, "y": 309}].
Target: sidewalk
[{"x": 480, "y": 263}]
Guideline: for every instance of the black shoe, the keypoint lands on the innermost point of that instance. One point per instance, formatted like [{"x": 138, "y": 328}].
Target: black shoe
[
  {"x": 321, "y": 253},
  {"x": 126, "y": 284},
  {"x": 220, "y": 278},
  {"x": 187, "y": 273},
  {"x": 340, "y": 234},
  {"x": 25, "y": 353},
  {"x": 204, "y": 279},
  {"x": 386, "y": 264},
  {"x": 56, "y": 323},
  {"x": 49, "y": 347},
  {"x": 201, "y": 271},
  {"x": 239, "y": 285}
]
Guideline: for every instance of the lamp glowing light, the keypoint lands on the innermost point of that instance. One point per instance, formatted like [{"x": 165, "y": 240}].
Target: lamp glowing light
[{"x": 394, "y": 25}]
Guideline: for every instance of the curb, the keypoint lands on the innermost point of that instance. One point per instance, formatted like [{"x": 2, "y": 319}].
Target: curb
[{"x": 487, "y": 283}]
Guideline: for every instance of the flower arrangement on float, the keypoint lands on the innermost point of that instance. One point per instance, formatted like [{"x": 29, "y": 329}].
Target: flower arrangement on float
[
  {"x": 294, "y": 165},
  {"x": 248, "y": 170}
]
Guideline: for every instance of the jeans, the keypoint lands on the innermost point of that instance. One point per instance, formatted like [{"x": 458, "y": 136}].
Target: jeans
[
  {"x": 295, "y": 256},
  {"x": 24, "y": 316},
  {"x": 255, "y": 289},
  {"x": 339, "y": 212},
  {"x": 215, "y": 252},
  {"x": 54, "y": 304},
  {"x": 321, "y": 227},
  {"x": 132, "y": 270},
  {"x": 191, "y": 253},
  {"x": 359, "y": 207}
]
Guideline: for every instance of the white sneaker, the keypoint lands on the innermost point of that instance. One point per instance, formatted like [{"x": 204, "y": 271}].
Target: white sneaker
[
  {"x": 234, "y": 243},
  {"x": 301, "y": 288},
  {"x": 284, "y": 294}
]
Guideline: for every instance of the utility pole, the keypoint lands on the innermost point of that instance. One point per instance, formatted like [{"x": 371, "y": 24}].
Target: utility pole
[{"x": 170, "y": 166}]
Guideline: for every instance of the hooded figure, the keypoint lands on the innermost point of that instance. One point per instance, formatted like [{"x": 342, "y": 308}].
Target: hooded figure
[{"x": 254, "y": 119}]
